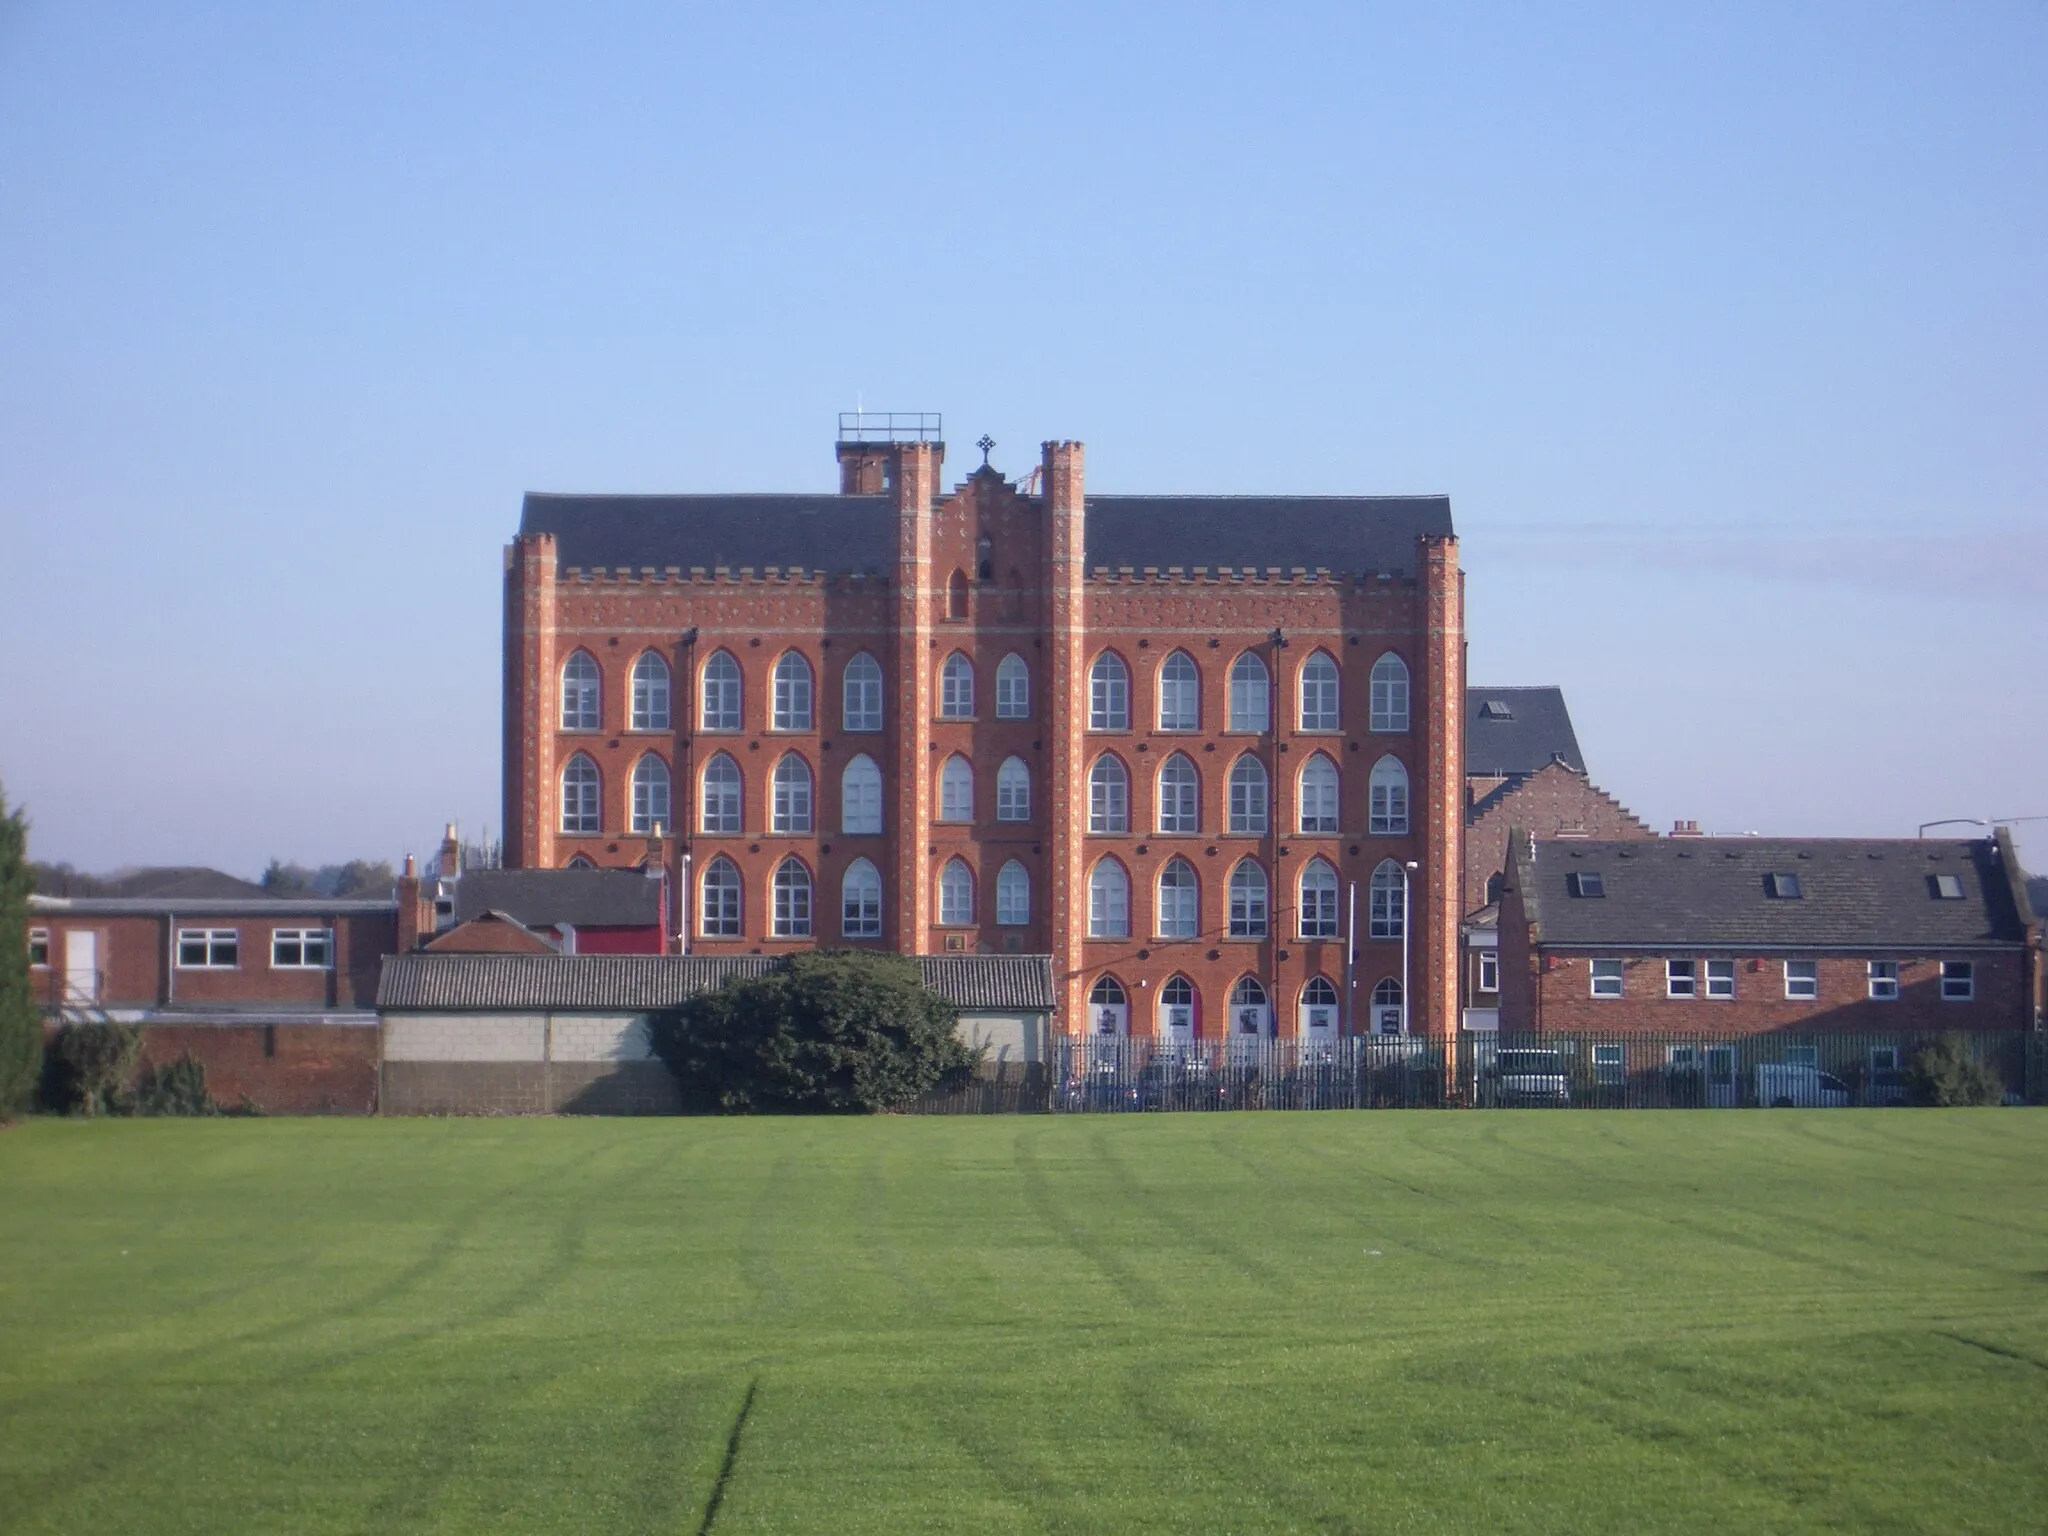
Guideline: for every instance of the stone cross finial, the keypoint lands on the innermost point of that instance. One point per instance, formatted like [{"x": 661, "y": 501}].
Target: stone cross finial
[{"x": 985, "y": 443}]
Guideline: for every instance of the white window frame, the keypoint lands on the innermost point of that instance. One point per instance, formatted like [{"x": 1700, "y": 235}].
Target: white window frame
[
  {"x": 793, "y": 800},
  {"x": 1387, "y": 813},
  {"x": 794, "y": 899},
  {"x": 956, "y": 894},
  {"x": 650, "y": 705},
  {"x": 1013, "y": 688},
  {"x": 1179, "y": 802},
  {"x": 956, "y": 688},
  {"x": 1013, "y": 790},
  {"x": 1607, "y": 978},
  {"x": 721, "y": 693},
  {"x": 956, "y": 790},
  {"x": 860, "y": 694},
  {"x": 1390, "y": 682},
  {"x": 1803, "y": 984},
  {"x": 1489, "y": 970},
  {"x": 1320, "y": 809},
  {"x": 1884, "y": 1058},
  {"x": 724, "y": 917},
  {"x": 1251, "y": 797},
  {"x": 582, "y": 696},
  {"x": 39, "y": 941},
  {"x": 860, "y": 901},
  {"x": 1881, "y": 980},
  {"x": 302, "y": 942},
  {"x": 653, "y": 791},
  {"x": 1325, "y": 715},
  {"x": 1318, "y": 914},
  {"x": 860, "y": 797},
  {"x": 1180, "y": 697},
  {"x": 218, "y": 949},
  {"x": 1250, "y": 895},
  {"x": 1250, "y": 686},
  {"x": 1610, "y": 1065},
  {"x": 1109, "y": 797},
  {"x": 1719, "y": 981},
  {"x": 1177, "y": 908},
  {"x": 582, "y": 813},
  {"x": 721, "y": 810},
  {"x": 1386, "y": 914},
  {"x": 1961, "y": 986},
  {"x": 1013, "y": 895},
  {"x": 1109, "y": 900},
  {"x": 794, "y": 693},
  {"x": 1109, "y": 693},
  {"x": 1682, "y": 979}
]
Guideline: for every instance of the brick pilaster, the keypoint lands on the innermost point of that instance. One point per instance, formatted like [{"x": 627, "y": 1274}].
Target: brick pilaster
[
  {"x": 915, "y": 487},
  {"x": 531, "y": 703},
  {"x": 1067, "y": 696},
  {"x": 1443, "y": 786}
]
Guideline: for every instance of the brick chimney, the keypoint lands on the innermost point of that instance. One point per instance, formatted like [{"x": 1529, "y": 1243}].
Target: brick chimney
[
  {"x": 412, "y": 915},
  {"x": 864, "y": 468},
  {"x": 1686, "y": 829}
]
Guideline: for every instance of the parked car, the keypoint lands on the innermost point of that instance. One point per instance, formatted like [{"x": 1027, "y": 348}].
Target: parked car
[
  {"x": 1794, "y": 1085},
  {"x": 1099, "y": 1090},
  {"x": 1531, "y": 1078},
  {"x": 1180, "y": 1083}
]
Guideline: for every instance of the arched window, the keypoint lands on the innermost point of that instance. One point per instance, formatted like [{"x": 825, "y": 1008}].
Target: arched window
[
  {"x": 1250, "y": 695},
  {"x": 650, "y": 693},
  {"x": 1180, "y": 796},
  {"x": 1180, "y": 901},
  {"x": 1013, "y": 790},
  {"x": 1318, "y": 901},
  {"x": 579, "y": 693},
  {"x": 719, "y": 705},
  {"x": 1109, "y": 796},
  {"x": 860, "y": 901},
  {"x": 580, "y": 797},
  {"x": 956, "y": 596},
  {"x": 1013, "y": 895},
  {"x": 1389, "y": 1009},
  {"x": 1109, "y": 901},
  {"x": 956, "y": 894},
  {"x": 861, "y": 694},
  {"x": 1177, "y": 1008},
  {"x": 1319, "y": 693},
  {"x": 1248, "y": 901},
  {"x": 1180, "y": 694},
  {"x": 1109, "y": 694},
  {"x": 1390, "y": 693},
  {"x": 1389, "y": 901},
  {"x": 1108, "y": 1008},
  {"x": 1249, "y": 1012},
  {"x": 1319, "y": 993},
  {"x": 650, "y": 795},
  {"x": 792, "y": 693},
  {"x": 860, "y": 798},
  {"x": 1319, "y": 795},
  {"x": 956, "y": 688},
  {"x": 1389, "y": 799},
  {"x": 792, "y": 900},
  {"x": 719, "y": 806},
  {"x": 792, "y": 809},
  {"x": 1249, "y": 992},
  {"x": 985, "y": 558},
  {"x": 956, "y": 790},
  {"x": 718, "y": 908},
  {"x": 579, "y": 861},
  {"x": 1013, "y": 688},
  {"x": 1249, "y": 795}
]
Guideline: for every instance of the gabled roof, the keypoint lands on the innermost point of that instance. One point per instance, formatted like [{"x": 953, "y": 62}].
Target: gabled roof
[
  {"x": 636, "y": 983},
  {"x": 1515, "y": 731},
  {"x": 491, "y": 933},
  {"x": 551, "y": 898},
  {"x": 842, "y": 535},
  {"x": 1714, "y": 892}
]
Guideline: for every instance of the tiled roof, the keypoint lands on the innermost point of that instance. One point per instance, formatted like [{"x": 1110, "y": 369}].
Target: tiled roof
[
  {"x": 257, "y": 908},
  {"x": 593, "y": 983},
  {"x": 546, "y": 898},
  {"x": 840, "y": 535},
  {"x": 1513, "y": 731},
  {"x": 1705, "y": 892}
]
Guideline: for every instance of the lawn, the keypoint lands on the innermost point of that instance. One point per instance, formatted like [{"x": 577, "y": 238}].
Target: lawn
[{"x": 1501, "y": 1322}]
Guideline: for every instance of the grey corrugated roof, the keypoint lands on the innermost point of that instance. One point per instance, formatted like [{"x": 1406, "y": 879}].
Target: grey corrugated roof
[
  {"x": 1704, "y": 892},
  {"x": 259, "y": 908},
  {"x": 569, "y": 983},
  {"x": 840, "y": 535},
  {"x": 1535, "y": 731},
  {"x": 547, "y": 898}
]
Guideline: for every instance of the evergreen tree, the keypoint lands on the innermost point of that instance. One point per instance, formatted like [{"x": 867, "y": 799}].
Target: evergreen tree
[{"x": 21, "y": 1026}]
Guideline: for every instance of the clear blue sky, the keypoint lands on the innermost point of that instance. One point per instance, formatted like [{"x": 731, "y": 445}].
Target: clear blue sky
[{"x": 1724, "y": 328}]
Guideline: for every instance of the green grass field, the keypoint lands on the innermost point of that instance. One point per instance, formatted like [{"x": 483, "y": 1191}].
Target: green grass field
[{"x": 1328, "y": 1322}]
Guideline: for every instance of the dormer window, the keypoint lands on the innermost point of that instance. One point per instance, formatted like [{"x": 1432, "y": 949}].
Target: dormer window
[
  {"x": 1496, "y": 709},
  {"x": 1783, "y": 887},
  {"x": 1587, "y": 882},
  {"x": 1946, "y": 887}
]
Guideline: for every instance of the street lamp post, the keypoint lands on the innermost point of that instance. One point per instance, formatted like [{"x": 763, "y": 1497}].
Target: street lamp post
[{"x": 1407, "y": 869}]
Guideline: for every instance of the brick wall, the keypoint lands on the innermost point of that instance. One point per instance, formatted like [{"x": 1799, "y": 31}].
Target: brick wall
[
  {"x": 282, "y": 1069},
  {"x": 1552, "y": 800}
]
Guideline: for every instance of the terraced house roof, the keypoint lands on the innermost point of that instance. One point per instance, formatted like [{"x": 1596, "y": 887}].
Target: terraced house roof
[
  {"x": 1778, "y": 893},
  {"x": 636, "y": 983}
]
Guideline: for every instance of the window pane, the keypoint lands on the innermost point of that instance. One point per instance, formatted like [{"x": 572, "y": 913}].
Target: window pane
[
  {"x": 1390, "y": 694},
  {"x": 862, "y": 694},
  {"x": 1109, "y": 695},
  {"x": 1013, "y": 689},
  {"x": 1319, "y": 694},
  {"x": 1250, "y": 704}
]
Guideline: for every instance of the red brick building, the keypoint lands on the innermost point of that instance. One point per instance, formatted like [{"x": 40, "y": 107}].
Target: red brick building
[
  {"x": 1169, "y": 741},
  {"x": 1697, "y": 936}
]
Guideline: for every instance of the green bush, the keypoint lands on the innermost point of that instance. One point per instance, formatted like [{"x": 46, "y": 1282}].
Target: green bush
[
  {"x": 90, "y": 1068},
  {"x": 176, "y": 1089},
  {"x": 1944, "y": 1074},
  {"x": 21, "y": 1024},
  {"x": 834, "y": 1033}
]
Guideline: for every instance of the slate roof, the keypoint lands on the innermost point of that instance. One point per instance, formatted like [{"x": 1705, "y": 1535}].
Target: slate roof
[
  {"x": 259, "y": 907},
  {"x": 1534, "y": 730},
  {"x": 548, "y": 898},
  {"x": 1710, "y": 892},
  {"x": 633, "y": 983},
  {"x": 841, "y": 535}
]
